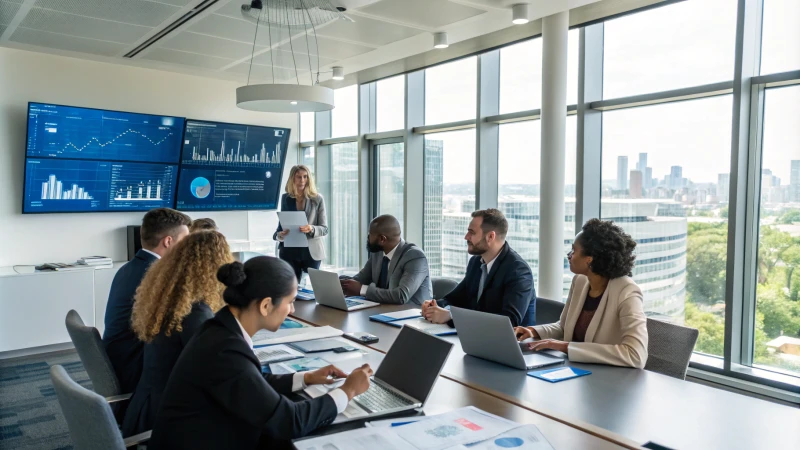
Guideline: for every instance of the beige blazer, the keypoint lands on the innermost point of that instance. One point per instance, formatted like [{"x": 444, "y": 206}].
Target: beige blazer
[{"x": 617, "y": 334}]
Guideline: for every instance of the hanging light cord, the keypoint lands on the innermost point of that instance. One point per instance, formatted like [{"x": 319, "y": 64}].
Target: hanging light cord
[
  {"x": 291, "y": 46},
  {"x": 253, "y": 52},
  {"x": 310, "y": 70}
]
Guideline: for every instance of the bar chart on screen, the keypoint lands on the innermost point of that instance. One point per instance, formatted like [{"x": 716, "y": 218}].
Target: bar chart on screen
[{"x": 225, "y": 144}]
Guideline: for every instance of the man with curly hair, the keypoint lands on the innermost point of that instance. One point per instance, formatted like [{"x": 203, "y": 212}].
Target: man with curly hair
[{"x": 162, "y": 228}]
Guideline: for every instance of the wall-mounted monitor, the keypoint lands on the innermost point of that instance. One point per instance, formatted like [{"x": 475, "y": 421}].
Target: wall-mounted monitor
[
  {"x": 91, "y": 160},
  {"x": 231, "y": 167}
]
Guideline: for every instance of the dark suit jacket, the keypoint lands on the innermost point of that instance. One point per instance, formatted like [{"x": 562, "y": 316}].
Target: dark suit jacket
[
  {"x": 123, "y": 347},
  {"x": 508, "y": 289},
  {"x": 217, "y": 397},
  {"x": 160, "y": 357}
]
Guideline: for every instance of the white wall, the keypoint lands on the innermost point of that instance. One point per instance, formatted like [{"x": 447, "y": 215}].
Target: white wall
[{"x": 27, "y": 76}]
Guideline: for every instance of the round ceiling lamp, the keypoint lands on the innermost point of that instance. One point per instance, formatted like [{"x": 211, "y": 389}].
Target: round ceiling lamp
[
  {"x": 519, "y": 13},
  {"x": 440, "y": 40},
  {"x": 289, "y": 68}
]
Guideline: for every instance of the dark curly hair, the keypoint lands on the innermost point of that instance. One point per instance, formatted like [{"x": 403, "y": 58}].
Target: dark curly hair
[{"x": 610, "y": 247}]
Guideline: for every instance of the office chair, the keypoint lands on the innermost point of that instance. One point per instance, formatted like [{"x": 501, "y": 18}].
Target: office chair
[
  {"x": 442, "y": 287},
  {"x": 91, "y": 423},
  {"x": 669, "y": 348},
  {"x": 548, "y": 311}
]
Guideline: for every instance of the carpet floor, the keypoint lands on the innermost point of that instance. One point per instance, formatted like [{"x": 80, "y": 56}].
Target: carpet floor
[{"x": 30, "y": 416}]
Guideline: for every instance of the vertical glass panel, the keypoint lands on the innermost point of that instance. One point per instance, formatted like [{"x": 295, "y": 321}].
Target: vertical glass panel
[
  {"x": 344, "y": 117},
  {"x": 306, "y": 127},
  {"x": 519, "y": 170},
  {"x": 451, "y": 91},
  {"x": 777, "y": 323},
  {"x": 391, "y": 107},
  {"x": 391, "y": 180},
  {"x": 675, "y": 46},
  {"x": 307, "y": 158},
  {"x": 521, "y": 74},
  {"x": 665, "y": 181},
  {"x": 780, "y": 36},
  {"x": 343, "y": 208},
  {"x": 449, "y": 200}
]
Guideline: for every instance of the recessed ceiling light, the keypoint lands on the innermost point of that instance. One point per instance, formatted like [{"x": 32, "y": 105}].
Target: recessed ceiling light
[
  {"x": 293, "y": 102},
  {"x": 440, "y": 40},
  {"x": 519, "y": 13}
]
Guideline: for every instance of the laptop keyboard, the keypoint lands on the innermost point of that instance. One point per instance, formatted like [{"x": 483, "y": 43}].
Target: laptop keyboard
[{"x": 378, "y": 398}]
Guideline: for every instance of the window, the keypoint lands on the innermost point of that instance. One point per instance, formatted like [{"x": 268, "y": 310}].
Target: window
[
  {"x": 665, "y": 172},
  {"x": 391, "y": 107},
  {"x": 521, "y": 74},
  {"x": 451, "y": 91},
  {"x": 306, "y": 127},
  {"x": 780, "y": 34},
  {"x": 343, "y": 208},
  {"x": 449, "y": 199},
  {"x": 391, "y": 180},
  {"x": 519, "y": 169},
  {"x": 344, "y": 117},
  {"x": 671, "y": 47},
  {"x": 307, "y": 157},
  {"x": 777, "y": 321}
]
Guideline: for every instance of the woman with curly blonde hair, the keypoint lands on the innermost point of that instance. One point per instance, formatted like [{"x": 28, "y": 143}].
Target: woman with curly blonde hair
[{"x": 176, "y": 296}]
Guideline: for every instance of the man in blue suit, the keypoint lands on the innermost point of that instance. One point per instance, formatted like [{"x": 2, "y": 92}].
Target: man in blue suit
[
  {"x": 497, "y": 281},
  {"x": 162, "y": 228}
]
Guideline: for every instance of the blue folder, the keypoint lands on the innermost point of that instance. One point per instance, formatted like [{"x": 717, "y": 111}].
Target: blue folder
[
  {"x": 541, "y": 374},
  {"x": 305, "y": 294}
]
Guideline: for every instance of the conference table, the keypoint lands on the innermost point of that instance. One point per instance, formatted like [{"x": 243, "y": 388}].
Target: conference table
[{"x": 628, "y": 406}]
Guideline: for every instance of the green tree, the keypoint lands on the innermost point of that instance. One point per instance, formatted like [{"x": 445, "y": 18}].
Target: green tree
[
  {"x": 791, "y": 258},
  {"x": 706, "y": 262},
  {"x": 712, "y": 330},
  {"x": 790, "y": 216},
  {"x": 772, "y": 243}
]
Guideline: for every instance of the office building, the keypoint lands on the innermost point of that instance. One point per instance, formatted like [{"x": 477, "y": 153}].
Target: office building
[
  {"x": 794, "y": 182},
  {"x": 676, "y": 180},
  {"x": 433, "y": 204},
  {"x": 636, "y": 184},
  {"x": 622, "y": 173},
  {"x": 723, "y": 186}
]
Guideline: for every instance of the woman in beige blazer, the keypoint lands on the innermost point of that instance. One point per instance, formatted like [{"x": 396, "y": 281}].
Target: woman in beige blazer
[{"x": 603, "y": 321}]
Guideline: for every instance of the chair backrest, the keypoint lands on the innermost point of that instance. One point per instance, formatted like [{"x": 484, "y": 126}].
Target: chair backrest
[
  {"x": 669, "y": 348},
  {"x": 548, "y": 311},
  {"x": 89, "y": 418},
  {"x": 442, "y": 286},
  {"x": 93, "y": 356}
]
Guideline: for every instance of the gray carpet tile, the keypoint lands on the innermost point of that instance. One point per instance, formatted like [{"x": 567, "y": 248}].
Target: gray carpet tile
[{"x": 30, "y": 416}]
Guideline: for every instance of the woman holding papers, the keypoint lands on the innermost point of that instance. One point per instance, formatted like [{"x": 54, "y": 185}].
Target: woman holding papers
[
  {"x": 176, "y": 296},
  {"x": 603, "y": 321},
  {"x": 301, "y": 195},
  {"x": 217, "y": 397}
]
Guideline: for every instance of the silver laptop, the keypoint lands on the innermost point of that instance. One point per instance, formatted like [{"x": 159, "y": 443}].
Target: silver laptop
[
  {"x": 328, "y": 292},
  {"x": 491, "y": 336},
  {"x": 406, "y": 376}
]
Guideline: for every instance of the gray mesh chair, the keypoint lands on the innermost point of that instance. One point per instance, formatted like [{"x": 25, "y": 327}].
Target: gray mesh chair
[
  {"x": 91, "y": 423},
  {"x": 669, "y": 348},
  {"x": 442, "y": 287},
  {"x": 548, "y": 311},
  {"x": 95, "y": 360}
]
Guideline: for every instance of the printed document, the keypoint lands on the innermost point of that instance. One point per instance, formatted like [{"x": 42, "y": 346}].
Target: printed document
[{"x": 292, "y": 221}]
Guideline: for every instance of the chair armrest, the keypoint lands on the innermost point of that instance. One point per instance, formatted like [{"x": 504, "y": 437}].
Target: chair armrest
[
  {"x": 137, "y": 439},
  {"x": 118, "y": 398}
]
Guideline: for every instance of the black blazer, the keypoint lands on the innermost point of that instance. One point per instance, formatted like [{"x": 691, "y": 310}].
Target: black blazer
[
  {"x": 217, "y": 397},
  {"x": 508, "y": 289},
  {"x": 160, "y": 357},
  {"x": 123, "y": 347}
]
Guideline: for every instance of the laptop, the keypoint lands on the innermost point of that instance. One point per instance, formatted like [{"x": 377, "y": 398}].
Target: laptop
[
  {"x": 491, "y": 337},
  {"x": 405, "y": 378},
  {"x": 328, "y": 292}
]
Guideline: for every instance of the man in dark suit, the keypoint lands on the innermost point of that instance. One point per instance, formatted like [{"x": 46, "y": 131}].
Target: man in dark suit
[
  {"x": 162, "y": 228},
  {"x": 397, "y": 271},
  {"x": 497, "y": 281}
]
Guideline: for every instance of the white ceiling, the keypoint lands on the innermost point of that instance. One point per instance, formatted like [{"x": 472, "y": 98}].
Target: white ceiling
[{"x": 218, "y": 42}]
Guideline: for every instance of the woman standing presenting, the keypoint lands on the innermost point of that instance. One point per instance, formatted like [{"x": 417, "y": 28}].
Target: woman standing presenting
[{"x": 301, "y": 195}]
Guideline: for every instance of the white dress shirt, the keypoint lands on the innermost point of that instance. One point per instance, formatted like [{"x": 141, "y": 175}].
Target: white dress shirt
[
  {"x": 298, "y": 382},
  {"x": 152, "y": 253},
  {"x": 389, "y": 255}
]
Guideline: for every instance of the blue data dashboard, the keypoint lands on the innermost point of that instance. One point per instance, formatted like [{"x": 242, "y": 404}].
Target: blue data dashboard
[{"x": 230, "y": 166}]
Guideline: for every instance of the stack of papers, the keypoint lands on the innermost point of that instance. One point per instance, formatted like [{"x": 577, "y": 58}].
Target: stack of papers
[
  {"x": 276, "y": 353},
  {"x": 298, "y": 365},
  {"x": 395, "y": 316},
  {"x": 286, "y": 335},
  {"x": 419, "y": 323}
]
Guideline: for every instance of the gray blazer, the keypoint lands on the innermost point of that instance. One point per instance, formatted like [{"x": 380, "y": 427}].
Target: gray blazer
[
  {"x": 409, "y": 277},
  {"x": 317, "y": 218}
]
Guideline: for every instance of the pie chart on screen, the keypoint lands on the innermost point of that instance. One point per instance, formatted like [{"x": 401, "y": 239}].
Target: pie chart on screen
[{"x": 201, "y": 187}]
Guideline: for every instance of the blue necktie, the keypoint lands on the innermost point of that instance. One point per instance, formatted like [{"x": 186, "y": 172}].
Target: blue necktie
[
  {"x": 383, "y": 280},
  {"x": 484, "y": 273}
]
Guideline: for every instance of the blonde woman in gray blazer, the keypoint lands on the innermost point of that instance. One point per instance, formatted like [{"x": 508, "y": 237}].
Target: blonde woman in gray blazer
[
  {"x": 603, "y": 321},
  {"x": 301, "y": 195}
]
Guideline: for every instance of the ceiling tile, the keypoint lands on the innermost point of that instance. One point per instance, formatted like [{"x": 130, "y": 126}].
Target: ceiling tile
[
  {"x": 284, "y": 59},
  {"x": 368, "y": 30},
  {"x": 180, "y": 3},
  {"x": 426, "y": 13},
  {"x": 207, "y": 45},
  {"x": 232, "y": 9},
  {"x": 49, "y": 20},
  {"x": 263, "y": 74},
  {"x": 237, "y": 30},
  {"x": 63, "y": 42},
  {"x": 328, "y": 48},
  {"x": 7, "y": 11},
  {"x": 139, "y": 12},
  {"x": 187, "y": 59}
]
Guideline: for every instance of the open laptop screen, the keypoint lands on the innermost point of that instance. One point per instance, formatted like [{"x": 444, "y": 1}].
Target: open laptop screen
[{"x": 414, "y": 362}]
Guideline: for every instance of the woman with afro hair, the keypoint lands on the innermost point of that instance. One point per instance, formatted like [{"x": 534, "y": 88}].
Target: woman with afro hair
[{"x": 603, "y": 321}]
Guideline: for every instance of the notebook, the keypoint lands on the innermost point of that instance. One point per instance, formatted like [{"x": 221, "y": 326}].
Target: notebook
[
  {"x": 558, "y": 374},
  {"x": 395, "y": 316},
  {"x": 419, "y": 323}
]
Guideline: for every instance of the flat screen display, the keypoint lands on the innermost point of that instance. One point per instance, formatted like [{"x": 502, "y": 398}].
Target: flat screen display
[
  {"x": 230, "y": 166},
  {"x": 91, "y": 160}
]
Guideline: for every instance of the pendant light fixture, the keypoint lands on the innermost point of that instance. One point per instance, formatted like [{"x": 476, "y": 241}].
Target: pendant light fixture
[{"x": 290, "y": 25}]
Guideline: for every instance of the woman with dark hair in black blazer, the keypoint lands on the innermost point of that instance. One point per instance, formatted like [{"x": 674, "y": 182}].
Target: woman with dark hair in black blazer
[{"x": 217, "y": 397}]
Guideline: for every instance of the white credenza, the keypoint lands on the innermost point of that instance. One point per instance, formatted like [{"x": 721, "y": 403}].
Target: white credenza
[{"x": 33, "y": 306}]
